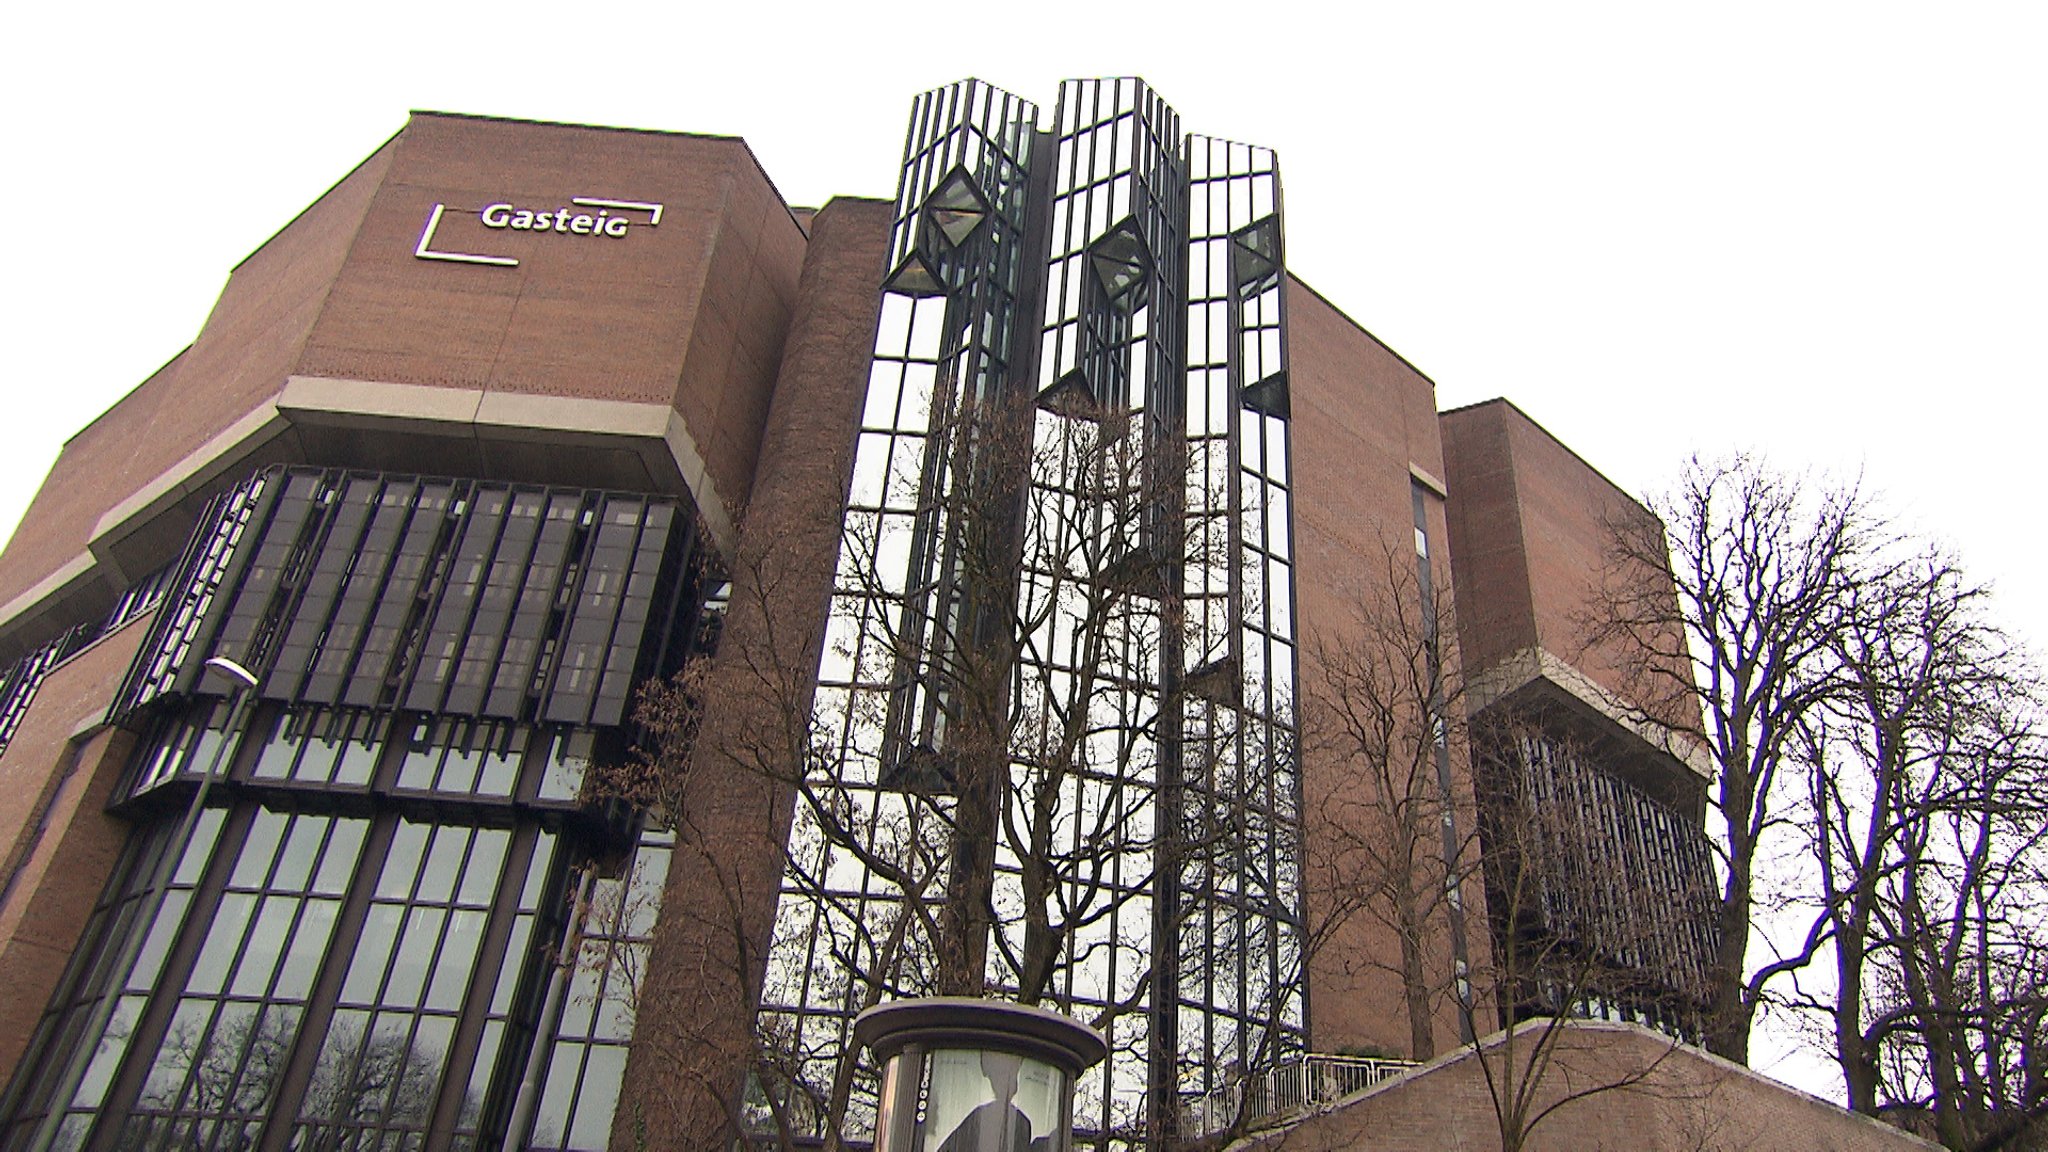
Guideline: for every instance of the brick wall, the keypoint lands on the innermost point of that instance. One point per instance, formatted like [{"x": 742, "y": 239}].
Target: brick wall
[
  {"x": 1364, "y": 421},
  {"x": 59, "y": 844},
  {"x": 1642, "y": 1093},
  {"x": 696, "y": 1021}
]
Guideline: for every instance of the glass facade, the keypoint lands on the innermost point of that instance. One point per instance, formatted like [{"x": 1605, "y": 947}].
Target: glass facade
[
  {"x": 1057, "y": 691},
  {"x": 336, "y": 968},
  {"x": 389, "y": 927}
]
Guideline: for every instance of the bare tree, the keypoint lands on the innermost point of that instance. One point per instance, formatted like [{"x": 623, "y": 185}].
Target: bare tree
[
  {"x": 1387, "y": 713},
  {"x": 975, "y": 785},
  {"x": 1927, "y": 798},
  {"x": 1965, "y": 904},
  {"x": 1877, "y": 759},
  {"x": 1766, "y": 568}
]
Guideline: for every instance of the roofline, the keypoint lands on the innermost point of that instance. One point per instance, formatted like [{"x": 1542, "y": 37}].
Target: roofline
[
  {"x": 441, "y": 115},
  {"x": 123, "y": 399},
  {"x": 311, "y": 204},
  {"x": 759, "y": 167},
  {"x": 1553, "y": 438},
  {"x": 1349, "y": 319}
]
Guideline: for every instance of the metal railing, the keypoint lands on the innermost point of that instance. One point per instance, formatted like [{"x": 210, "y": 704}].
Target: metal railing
[{"x": 1277, "y": 1094}]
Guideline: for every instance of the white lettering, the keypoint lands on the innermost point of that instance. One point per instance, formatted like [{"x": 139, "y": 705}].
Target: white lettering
[{"x": 563, "y": 221}]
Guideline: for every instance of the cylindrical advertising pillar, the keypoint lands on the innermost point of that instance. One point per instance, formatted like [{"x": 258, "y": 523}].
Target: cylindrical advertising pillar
[{"x": 965, "y": 1075}]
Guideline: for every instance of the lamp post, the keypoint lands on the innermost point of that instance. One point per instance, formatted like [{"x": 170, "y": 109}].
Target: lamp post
[
  {"x": 238, "y": 712},
  {"x": 966, "y": 1075}
]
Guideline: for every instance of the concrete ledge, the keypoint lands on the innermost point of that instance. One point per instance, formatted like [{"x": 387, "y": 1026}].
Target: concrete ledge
[
  {"x": 197, "y": 467},
  {"x": 1422, "y": 476},
  {"x": 652, "y": 436},
  {"x": 516, "y": 412},
  {"x": 1638, "y": 1089},
  {"x": 1536, "y": 663},
  {"x": 378, "y": 400},
  {"x": 68, "y": 576},
  {"x": 513, "y": 416}
]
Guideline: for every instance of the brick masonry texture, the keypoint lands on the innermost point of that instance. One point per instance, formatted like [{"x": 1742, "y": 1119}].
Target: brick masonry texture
[{"x": 1641, "y": 1093}]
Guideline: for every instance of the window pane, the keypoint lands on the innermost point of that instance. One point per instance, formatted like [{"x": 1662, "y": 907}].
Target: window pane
[
  {"x": 258, "y": 849},
  {"x": 373, "y": 951},
  {"x": 339, "y": 864},
  {"x": 223, "y": 943},
  {"x": 458, "y": 956},
  {"x": 415, "y": 956}
]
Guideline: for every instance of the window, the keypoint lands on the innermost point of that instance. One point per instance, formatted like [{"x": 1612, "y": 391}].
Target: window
[{"x": 353, "y": 949}]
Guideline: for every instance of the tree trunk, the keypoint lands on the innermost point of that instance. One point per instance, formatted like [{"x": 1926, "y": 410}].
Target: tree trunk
[
  {"x": 1414, "y": 979},
  {"x": 1730, "y": 1010}
]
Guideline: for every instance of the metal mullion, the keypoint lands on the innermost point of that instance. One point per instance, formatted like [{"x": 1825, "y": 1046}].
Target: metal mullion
[
  {"x": 502, "y": 536},
  {"x": 387, "y": 523},
  {"x": 511, "y": 1056},
  {"x": 310, "y": 620},
  {"x": 212, "y": 618},
  {"x": 579, "y": 557},
  {"x": 630, "y": 576},
  {"x": 398, "y": 604},
  {"x": 945, "y": 111},
  {"x": 915, "y": 141},
  {"x": 451, "y": 534},
  {"x": 175, "y": 972},
  {"x": 222, "y": 1113},
  {"x": 381, "y": 1006},
  {"x": 322, "y": 999},
  {"x": 510, "y": 533}
]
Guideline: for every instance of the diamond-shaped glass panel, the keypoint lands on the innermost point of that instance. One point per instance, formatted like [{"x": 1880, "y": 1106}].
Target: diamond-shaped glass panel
[
  {"x": 956, "y": 207},
  {"x": 1269, "y": 396},
  {"x": 1122, "y": 264},
  {"x": 1217, "y": 682},
  {"x": 915, "y": 277},
  {"x": 1070, "y": 396}
]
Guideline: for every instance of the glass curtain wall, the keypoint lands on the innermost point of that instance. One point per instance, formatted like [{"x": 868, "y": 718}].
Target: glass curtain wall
[
  {"x": 873, "y": 825},
  {"x": 1067, "y": 549},
  {"x": 1240, "y": 939},
  {"x": 354, "y": 948},
  {"x": 402, "y": 919}
]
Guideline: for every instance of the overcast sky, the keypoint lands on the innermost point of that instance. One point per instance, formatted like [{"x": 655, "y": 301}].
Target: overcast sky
[{"x": 1815, "y": 231}]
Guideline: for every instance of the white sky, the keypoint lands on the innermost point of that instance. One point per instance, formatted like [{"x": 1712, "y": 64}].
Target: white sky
[{"x": 1817, "y": 231}]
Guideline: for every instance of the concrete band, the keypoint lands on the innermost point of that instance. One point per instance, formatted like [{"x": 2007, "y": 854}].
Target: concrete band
[{"x": 653, "y": 433}]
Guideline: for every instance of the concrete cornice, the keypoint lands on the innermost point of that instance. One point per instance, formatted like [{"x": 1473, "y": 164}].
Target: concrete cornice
[
  {"x": 652, "y": 433},
  {"x": 204, "y": 463},
  {"x": 514, "y": 416},
  {"x": 1536, "y": 663},
  {"x": 68, "y": 576}
]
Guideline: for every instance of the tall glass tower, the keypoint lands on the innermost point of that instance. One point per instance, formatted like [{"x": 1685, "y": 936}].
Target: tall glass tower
[{"x": 1054, "y": 737}]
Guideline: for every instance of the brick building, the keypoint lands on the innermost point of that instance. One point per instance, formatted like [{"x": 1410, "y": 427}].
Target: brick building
[{"x": 519, "y": 417}]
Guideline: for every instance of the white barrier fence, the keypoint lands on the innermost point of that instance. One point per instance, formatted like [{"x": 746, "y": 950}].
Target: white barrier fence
[{"x": 1290, "y": 1089}]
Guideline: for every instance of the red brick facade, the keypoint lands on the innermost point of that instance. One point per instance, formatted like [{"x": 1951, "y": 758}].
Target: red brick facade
[
  {"x": 721, "y": 355},
  {"x": 1637, "y": 1091}
]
